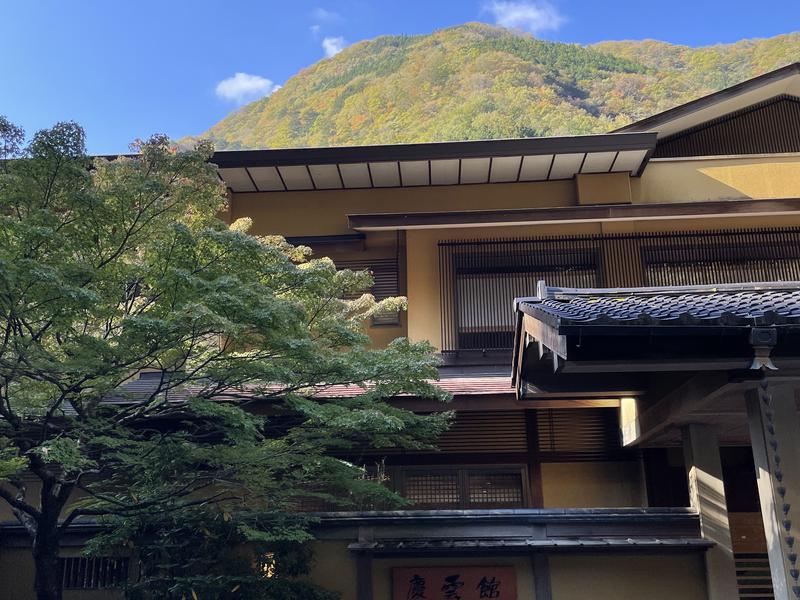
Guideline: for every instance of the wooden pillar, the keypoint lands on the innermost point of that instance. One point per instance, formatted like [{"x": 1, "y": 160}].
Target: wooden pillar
[
  {"x": 541, "y": 577},
  {"x": 707, "y": 497},
  {"x": 364, "y": 576},
  {"x": 535, "y": 493},
  {"x": 775, "y": 438},
  {"x": 364, "y": 591}
]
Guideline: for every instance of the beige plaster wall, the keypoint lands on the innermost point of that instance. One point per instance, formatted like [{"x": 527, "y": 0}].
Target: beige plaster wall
[
  {"x": 628, "y": 577},
  {"x": 573, "y": 576},
  {"x": 692, "y": 180},
  {"x": 592, "y": 485},
  {"x": 334, "y": 568},
  {"x": 16, "y": 578},
  {"x": 603, "y": 188},
  {"x": 673, "y": 180},
  {"x": 325, "y": 212}
]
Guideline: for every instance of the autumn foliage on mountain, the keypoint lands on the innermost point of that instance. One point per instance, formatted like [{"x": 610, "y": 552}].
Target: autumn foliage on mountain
[{"x": 477, "y": 81}]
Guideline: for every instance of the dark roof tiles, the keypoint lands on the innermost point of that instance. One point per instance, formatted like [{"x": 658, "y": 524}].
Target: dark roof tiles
[{"x": 718, "y": 308}]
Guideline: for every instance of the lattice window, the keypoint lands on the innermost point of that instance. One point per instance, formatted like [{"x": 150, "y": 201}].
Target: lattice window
[
  {"x": 465, "y": 487},
  {"x": 753, "y": 577},
  {"x": 495, "y": 489},
  {"x": 93, "y": 573},
  {"x": 432, "y": 489},
  {"x": 479, "y": 279},
  {"x": 722, "y": 257}
]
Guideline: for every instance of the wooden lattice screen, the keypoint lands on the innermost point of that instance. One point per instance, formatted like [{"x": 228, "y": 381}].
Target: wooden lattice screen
[{"x": 479, "y": 279}]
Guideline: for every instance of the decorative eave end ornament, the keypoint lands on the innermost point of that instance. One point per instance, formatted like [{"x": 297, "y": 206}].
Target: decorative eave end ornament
[{"x": 763, "y": 340}]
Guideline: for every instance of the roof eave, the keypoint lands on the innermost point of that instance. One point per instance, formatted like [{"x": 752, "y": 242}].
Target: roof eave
[
  {"x": 651, "y": 123},
  {"x": 606, "y": 142},
  {"x": 572, "y": 214}
]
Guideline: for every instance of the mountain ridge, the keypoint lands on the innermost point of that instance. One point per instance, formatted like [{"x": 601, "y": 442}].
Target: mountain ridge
[{"x": 477, "y": 81}]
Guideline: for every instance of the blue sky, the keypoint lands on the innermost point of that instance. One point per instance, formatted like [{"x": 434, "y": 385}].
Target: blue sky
[{"x": 128, "y": 69}]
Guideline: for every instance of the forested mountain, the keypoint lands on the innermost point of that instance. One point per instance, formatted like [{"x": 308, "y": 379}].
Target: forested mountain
[{"x": 477, "y": 81}]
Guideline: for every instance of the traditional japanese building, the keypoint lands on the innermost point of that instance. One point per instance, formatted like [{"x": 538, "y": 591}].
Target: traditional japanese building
[{"x": 618, "y": 318}]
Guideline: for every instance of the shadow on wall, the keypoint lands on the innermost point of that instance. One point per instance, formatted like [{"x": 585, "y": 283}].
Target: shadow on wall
[{"x": 720, "y": 179}]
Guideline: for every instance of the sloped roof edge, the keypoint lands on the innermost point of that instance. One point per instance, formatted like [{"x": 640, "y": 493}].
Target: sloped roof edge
[{"x": 659, "y": 122}]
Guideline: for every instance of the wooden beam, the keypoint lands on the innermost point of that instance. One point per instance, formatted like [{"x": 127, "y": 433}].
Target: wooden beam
[
  {"x": 575, "y": 214},
  {"x": 640, "y": 366},
  {"x": 494, "y": 402},
  {"x": 676, "y": 406},
  {"x": 545, "y": 334}
]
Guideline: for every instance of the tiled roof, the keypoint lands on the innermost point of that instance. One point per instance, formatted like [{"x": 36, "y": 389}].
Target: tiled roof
[{"x": 740, "y": 305}]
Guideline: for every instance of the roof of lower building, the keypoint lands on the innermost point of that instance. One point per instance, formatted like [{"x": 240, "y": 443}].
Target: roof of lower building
[
  {"x": 617, "y": 332},
  {"x": 511, "y": 545},
  {"x": 149, "y": 383},
  {"x": 757, "y": 304},
  {"x": 457, "y": 386}
]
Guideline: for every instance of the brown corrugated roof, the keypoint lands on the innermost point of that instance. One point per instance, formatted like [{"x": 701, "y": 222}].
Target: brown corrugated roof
[
  {"x": 139, "y": 389},
  {"x": 458, "y": 386}
]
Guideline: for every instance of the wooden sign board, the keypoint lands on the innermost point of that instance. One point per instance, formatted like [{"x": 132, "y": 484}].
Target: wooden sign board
[{"x": 454, "y": 583}]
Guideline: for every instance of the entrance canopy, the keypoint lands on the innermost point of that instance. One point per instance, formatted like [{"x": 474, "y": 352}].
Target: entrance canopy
[{"x": 683, "y": 353}]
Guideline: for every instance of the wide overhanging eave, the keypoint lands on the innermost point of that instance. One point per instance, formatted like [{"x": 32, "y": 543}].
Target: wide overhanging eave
[{"x": 433, "y": 164}]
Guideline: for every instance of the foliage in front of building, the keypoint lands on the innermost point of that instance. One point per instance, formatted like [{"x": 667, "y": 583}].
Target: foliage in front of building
[{"x": 161, "y": 373}]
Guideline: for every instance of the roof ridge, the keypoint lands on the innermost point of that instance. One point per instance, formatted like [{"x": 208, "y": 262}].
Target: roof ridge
[{"x": 722, "y": 288}]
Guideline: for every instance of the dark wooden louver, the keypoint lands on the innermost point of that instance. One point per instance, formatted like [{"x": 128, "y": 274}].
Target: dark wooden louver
[
  {"x": 589, "y": 434},
  {"x": 770, "y": 127},
  {"x": 93, "y": 572},
  {"x": 385, "y": 282},
  {"x": 485, "y": 432},
  {"x": 480, "y": 279}
]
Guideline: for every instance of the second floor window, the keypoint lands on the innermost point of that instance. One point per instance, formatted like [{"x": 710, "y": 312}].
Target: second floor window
[
  {"x": 463, "y": 487},
  {"x": 479, "y": 279}
]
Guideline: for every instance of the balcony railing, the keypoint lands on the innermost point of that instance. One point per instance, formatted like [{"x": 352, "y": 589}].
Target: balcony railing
[{"x": 480, "y": 278}]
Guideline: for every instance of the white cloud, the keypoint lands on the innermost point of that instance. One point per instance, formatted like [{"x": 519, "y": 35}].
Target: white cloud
[
  {"x": 533, "y": 16},
  {"x": 243, "y": 87},
  {"x": 326, "y": 16},
  {"x": 333, "y": 45},
  {"x": 315, "y": 30}
]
